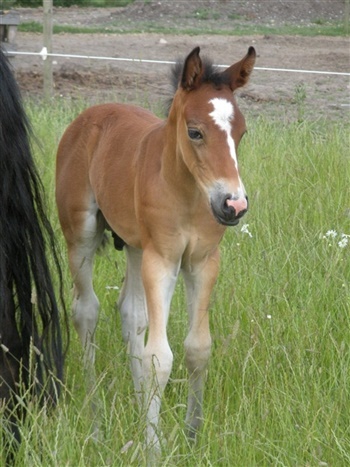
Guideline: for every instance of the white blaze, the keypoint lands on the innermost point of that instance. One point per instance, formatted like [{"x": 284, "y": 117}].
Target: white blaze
[{"x": 222, "y": 115}]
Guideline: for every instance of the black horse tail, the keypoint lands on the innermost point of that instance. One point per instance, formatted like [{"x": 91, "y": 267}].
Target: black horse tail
[{"x": 30, "y": 318}]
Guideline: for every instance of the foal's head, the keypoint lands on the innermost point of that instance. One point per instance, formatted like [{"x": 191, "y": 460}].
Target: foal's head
[{"x": 209, "y": 129}]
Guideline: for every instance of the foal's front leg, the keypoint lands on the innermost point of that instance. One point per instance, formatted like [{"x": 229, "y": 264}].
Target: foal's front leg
[
  {"x": 159, "y": 279},
  {"x": 199, "y": 281}
]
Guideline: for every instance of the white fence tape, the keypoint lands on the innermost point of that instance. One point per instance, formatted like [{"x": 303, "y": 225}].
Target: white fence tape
[{"x": 43, "y": 53}]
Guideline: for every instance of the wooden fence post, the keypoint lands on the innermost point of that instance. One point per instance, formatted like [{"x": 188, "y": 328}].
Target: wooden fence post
[{"x": 47, "y": 30}]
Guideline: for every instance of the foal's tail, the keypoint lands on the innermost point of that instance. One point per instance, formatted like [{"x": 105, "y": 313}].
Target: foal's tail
[{"x": 30, "y": 332}]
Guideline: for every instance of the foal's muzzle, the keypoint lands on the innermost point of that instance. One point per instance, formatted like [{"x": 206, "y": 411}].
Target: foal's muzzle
[{"x": 228, "y": 210}]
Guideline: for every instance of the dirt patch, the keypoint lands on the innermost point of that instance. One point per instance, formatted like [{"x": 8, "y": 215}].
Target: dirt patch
[{"x": 279, "y": 94}]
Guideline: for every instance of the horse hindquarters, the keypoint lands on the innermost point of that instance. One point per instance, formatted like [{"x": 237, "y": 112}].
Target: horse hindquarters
[{"x": 82, "y": 225}]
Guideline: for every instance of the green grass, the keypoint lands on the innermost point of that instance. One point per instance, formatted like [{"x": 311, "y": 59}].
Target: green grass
[
  {"x": 68, "y": 3},
  {"x": 278, "y": 381},
  {"x": 121, "y": 27}
]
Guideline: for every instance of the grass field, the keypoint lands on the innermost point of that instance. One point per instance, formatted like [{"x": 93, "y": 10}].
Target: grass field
[
  {"x": 278, "y": 380},
  {"x": 120, "y": 27}
]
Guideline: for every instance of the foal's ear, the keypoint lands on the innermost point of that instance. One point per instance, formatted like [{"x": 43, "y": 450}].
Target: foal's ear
[
  {"x": 192, "y": 70},
  {"x": 238, "y": 74}
]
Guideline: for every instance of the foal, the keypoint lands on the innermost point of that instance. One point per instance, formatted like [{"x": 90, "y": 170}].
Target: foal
[{"x": 167, "y": 189}]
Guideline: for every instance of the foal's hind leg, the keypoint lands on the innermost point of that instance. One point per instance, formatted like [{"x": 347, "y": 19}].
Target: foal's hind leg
[
  {"x": 133, "y": 310},
  {"x": 199, "y": 283},
  {"x": 86, "y": 305}
]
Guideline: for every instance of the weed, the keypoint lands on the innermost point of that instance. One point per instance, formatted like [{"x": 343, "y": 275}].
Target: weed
[
  {"x": 299, "y": 100},
  {"x": 205, "y": 14}
]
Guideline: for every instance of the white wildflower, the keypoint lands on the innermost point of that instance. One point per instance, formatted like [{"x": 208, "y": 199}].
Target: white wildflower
[
  {"x": 331, "y": 234},
  {"x": 245, "y": 230},
  {"x": 344, "y": 241},
  {"x": 268, "y": 316}
]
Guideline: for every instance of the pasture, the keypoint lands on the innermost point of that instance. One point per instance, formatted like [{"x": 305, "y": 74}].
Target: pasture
[{"x": 278, "y": 380}]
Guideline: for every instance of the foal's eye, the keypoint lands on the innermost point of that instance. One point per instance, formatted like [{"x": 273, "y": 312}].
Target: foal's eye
[{"x": 194, "y": 134}]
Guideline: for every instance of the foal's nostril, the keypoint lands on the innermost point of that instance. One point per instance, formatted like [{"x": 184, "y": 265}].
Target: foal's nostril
[
  {"x": 229, "y": 210},
  {"x": 225, "y": 206},
  {"x": 237, "y": 207}
]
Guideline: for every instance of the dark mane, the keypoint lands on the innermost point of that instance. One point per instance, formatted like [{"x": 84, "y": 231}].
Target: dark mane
[
  {"x": 27, "y": 322},
  {"x": 211, "y": 74}
]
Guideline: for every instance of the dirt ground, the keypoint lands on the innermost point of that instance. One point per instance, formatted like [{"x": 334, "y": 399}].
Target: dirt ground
[{"x": 275, "y": 93}]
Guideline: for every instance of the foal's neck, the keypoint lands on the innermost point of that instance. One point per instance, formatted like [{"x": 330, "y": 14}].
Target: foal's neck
[{"x": 173, "y": 168}]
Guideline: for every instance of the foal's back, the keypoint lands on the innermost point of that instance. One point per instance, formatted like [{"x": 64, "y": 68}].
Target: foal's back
[
  {"x": 97, "y": 158},
  {"x": 104, "y": 132}
]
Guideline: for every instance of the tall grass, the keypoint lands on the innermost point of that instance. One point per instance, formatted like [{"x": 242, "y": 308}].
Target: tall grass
[{"x": 278, "y": 381}]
